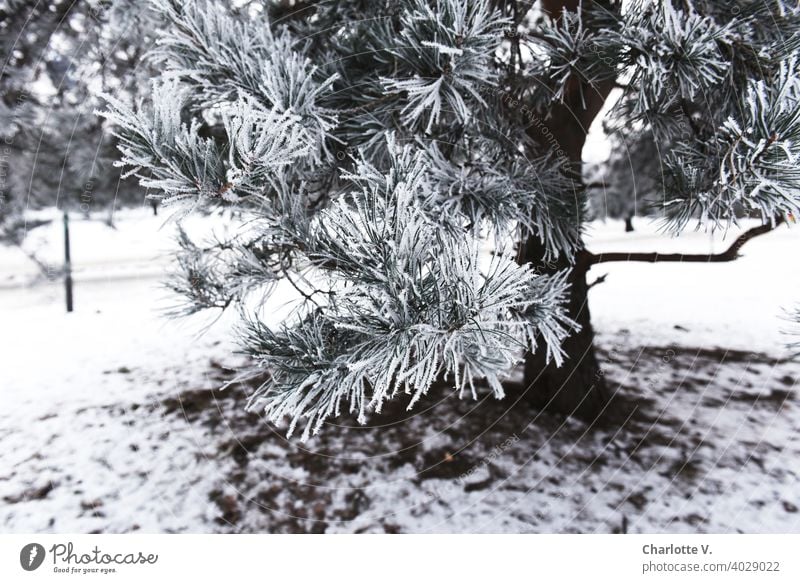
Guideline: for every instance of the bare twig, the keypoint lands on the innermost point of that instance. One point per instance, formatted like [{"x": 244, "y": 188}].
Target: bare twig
[{"x": 600, "y": 279}]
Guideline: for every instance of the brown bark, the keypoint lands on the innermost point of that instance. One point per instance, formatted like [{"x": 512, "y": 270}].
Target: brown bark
[
  {"x": 730, "y": 254},
  {"x": 577, "y": 387},
  {"x": 629, "y": 224}
]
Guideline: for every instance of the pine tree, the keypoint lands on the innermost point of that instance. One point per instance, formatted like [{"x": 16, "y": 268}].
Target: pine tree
[
  {"x": 56, "y": 151},
  {"x": 627, "y": 184},
  {"x": 413, "y": 169}
]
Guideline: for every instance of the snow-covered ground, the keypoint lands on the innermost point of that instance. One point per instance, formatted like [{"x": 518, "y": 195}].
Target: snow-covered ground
[
  {"x": 732, "y": 305},
  {"x": 111, "y": 420}
]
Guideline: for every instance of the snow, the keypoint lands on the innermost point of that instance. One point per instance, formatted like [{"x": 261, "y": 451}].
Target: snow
[
  {"x": 78, "y": 387},
  {"x": 736, "y": 305},
  {"x": 111, "y": 420}
]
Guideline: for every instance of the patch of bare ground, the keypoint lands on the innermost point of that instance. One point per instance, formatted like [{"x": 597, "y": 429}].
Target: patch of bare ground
[{"x": 693, "y": 430}]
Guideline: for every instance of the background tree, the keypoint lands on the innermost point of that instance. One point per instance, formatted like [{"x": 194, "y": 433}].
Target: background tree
[
  {"x": 386, "y": 156},
  {"x": 628, "y": 184},
  {"x": 56, "y": 152}
]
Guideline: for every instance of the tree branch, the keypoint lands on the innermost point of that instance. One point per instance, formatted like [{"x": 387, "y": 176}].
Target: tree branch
[
  {"x": 730, "y": 254},
  {"x": 600, "y": 279}
]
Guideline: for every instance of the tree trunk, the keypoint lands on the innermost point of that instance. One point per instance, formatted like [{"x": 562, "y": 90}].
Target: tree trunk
[
  {"x": 629, "y": 224},
  {"x": 576, "y": 388},
  {"x": 67, "y": 264},
  {"x": 110, "y": 218}
]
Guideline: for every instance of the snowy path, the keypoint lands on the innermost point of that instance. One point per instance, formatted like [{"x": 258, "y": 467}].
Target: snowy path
[{"x": 109, "y": 422}]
